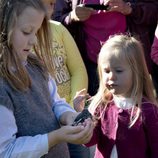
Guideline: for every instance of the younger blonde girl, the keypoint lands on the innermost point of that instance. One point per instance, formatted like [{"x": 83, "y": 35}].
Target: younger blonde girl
[{"x": 125, "y": 104}]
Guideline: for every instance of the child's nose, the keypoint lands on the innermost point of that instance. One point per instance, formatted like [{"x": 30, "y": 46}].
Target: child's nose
[
  {"x": 112, "y": 76},
  {"x": 33, "y": 40}
]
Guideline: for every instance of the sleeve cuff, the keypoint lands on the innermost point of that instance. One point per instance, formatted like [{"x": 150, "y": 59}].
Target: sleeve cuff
[
  {"x": 59, "y": 110},
  {"x": 44, "y": 144}
]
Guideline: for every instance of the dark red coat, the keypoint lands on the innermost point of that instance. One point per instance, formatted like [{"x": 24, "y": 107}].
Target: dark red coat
[{"x": 139, "y": 141}]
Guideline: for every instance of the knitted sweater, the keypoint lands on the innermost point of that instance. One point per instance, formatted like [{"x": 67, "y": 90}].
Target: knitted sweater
[{"x": 32, "y": 109}]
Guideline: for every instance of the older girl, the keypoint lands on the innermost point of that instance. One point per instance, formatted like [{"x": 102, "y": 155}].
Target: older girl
[{"x": 30, "y": 107}]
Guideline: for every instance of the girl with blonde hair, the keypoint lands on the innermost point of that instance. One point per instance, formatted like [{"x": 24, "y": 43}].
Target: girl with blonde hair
[
  {"x": 30, "y": 108},
  {"x": 125, "y": 104}
]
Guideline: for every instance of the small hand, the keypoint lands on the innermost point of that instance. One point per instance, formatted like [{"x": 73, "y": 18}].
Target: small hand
[
  {"x": 79, "y": 100},
  {"x": 80, "y": 134},
  {"x": 81, "y": 13}
]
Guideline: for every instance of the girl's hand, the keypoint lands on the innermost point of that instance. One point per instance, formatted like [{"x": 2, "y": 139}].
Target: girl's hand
[
  {"x": 81, "y": 13},
  {"x": 72, "y": 134},
  {"x": 79, "y": 100}
]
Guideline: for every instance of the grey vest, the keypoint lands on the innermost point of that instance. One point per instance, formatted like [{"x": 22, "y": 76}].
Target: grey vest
[{"x": 33, "y": 112}]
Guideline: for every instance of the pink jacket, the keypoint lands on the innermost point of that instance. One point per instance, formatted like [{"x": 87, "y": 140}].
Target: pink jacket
[
  {"x": 154, "y": 49},
  {"x": 139, "y": 141}
]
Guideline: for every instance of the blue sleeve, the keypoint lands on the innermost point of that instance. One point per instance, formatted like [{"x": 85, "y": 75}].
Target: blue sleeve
[
  {"x": 12, "y": 146},
  {"x": 59, "y": 105}
]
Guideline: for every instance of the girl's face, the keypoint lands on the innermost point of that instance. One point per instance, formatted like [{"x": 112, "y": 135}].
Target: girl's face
[
  {"x": 49, "y": 4},
  {"x": 117, "y": 75},
  {"x": 23, "y": 37}
]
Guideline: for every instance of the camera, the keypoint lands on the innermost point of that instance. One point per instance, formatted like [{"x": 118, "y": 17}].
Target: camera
[{"x": 97, "y": 6}]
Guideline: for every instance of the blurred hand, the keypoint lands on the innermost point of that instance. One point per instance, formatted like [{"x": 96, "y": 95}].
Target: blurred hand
[
  {"x": 120, "y": 6},
  {"x": 79, "y": 100},
  {"x": 68, "y": 117},
  {"x": 80, "y": 134},
  {"x": 81, "y": 13}
]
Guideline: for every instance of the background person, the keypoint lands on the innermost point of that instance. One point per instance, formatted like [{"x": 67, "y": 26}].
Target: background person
[{"x": 70, "y": 72}]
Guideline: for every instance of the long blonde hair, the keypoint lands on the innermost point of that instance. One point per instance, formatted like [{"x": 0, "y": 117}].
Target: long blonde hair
[
  {"x": 9, "y": 12},
  {"x": 134, "y": 54}
]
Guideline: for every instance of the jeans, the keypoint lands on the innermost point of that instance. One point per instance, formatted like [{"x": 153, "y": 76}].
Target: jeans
[{"x": 78, "y": 151}]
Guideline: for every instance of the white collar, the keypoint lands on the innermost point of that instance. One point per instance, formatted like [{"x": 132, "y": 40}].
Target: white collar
[{"x": 124, "y": 103}]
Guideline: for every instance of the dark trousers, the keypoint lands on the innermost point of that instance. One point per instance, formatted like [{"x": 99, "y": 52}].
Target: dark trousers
[
  {"x": 93, "y": 79},
  {"x": 78, "y": 151}
]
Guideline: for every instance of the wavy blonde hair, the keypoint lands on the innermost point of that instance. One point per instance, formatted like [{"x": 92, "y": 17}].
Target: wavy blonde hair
[
  {"x": 134, "y": 54},
  {"x": 10, "y": 10}
]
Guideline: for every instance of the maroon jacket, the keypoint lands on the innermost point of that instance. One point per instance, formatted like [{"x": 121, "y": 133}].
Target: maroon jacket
[{"x": 139, "y": 141}]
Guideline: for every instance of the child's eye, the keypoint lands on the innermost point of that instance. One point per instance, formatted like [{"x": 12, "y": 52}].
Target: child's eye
[
  {"x": 26, "y": 33},
  {"x": 119, "y": 71}
]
